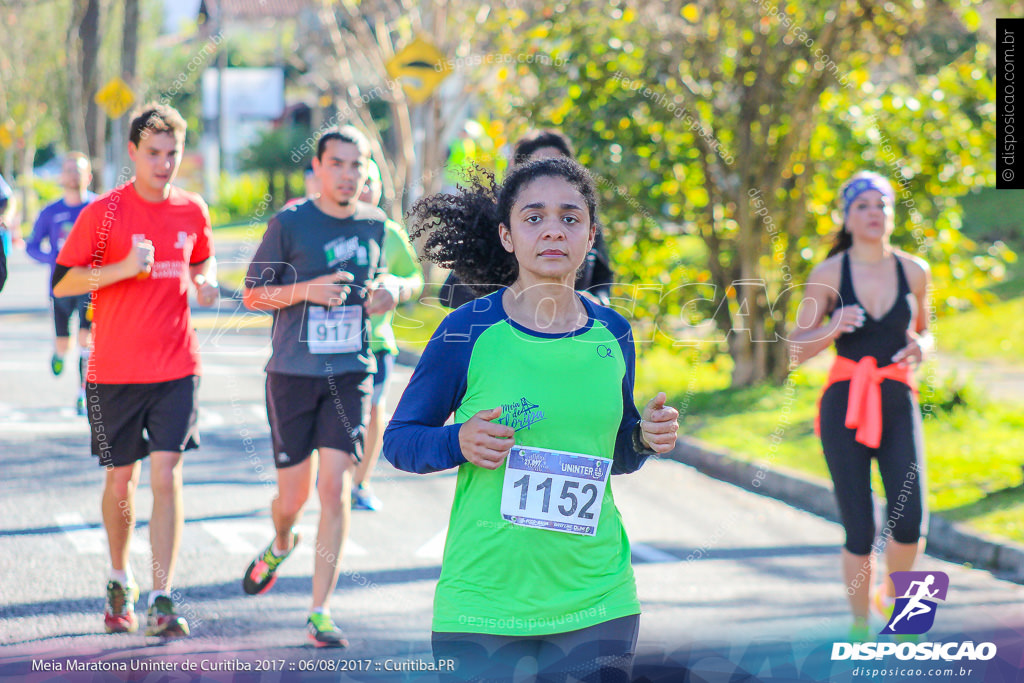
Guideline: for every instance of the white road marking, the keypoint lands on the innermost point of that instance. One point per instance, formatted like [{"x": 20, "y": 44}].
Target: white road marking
[
  {"x": 209, "y": 419},
  {"x": 48, "y": 428},
  {"x": 434, "y": 548},
  {"x": 651, "y": 555},
  {"x": 89, "y": 540},
  {"x": 308, "y": 544},
  {"x": 231, "y": 369},
  {"x": 85, "y": 540},
  {"x": 229, "y": 534}
]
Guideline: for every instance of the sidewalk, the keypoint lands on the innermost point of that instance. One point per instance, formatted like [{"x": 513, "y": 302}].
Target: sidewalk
[{"x": 947, "y": 540}]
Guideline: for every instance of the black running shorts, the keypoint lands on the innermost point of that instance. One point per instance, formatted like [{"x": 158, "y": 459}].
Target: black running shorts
[
  {"x": 64, "y": 307},
  {"x": 317, "y": 412},
  {"x": 128, "y": 421},
  {"x": 603, "y": 652}
]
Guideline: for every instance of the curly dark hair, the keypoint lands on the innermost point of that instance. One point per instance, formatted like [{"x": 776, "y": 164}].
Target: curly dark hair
[
  {"x": 538, "y": 139},
  {"x": 462, "y": 228}
]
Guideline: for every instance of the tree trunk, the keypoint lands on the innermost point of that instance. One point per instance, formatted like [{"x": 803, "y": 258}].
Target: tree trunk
[
  {"x": 289, "y": 192},
  {"x": 76, "y": 90},
  {"x": 27, "y": 206},
  {"x": 94, "y": 129},
  {"x": 272, "y": 187},
  {"x": 747, "y": 336},
  {"x": 129, "y": 73}
]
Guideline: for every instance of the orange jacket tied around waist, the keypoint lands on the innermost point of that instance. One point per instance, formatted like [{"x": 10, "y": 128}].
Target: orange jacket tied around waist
[{"x": 864, "y": 406}]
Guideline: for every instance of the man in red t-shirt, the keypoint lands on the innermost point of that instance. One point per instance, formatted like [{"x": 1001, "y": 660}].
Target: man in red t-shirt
[{"x": 135, "y": 250}]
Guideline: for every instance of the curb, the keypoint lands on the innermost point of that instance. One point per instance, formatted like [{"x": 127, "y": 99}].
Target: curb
[{"x": 947, "y": 540}]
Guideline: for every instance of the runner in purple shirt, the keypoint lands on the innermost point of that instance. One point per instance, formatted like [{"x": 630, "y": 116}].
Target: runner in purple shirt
[{"x": 52, "y": 227}]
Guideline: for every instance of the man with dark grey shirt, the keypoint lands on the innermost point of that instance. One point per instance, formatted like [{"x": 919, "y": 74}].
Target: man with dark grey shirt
[{"x": 321, "y": 270}]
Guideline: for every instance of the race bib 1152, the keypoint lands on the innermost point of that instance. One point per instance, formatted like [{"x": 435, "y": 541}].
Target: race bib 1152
[{"x": 555, "y": 490}]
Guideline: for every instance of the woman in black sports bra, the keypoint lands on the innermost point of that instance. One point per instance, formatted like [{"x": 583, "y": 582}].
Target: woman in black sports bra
[{"x": 869, "y": 406}]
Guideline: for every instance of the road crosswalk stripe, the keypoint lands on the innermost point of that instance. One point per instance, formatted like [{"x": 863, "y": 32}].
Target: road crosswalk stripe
[
  {"x": 651, "y": 555},
  {"x": 434, "y": 548},
  {"x": 91, "y": 539}
]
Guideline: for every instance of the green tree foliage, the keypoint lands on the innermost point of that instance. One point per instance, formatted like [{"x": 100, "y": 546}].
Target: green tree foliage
[
  {"x": 272, "y": 154},
  {"x": 720, "y": 133}
]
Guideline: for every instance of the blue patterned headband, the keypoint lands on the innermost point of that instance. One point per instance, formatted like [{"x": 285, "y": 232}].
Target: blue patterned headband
[{"x": 862, "y": 185}]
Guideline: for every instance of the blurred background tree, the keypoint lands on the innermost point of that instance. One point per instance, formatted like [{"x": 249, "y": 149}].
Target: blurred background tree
[{"x": 719, "y": 126}]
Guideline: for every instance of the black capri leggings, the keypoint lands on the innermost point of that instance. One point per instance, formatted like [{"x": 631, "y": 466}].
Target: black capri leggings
[
  {"x": 900, "y": 462},
  {"x": 601, "y": 653}
]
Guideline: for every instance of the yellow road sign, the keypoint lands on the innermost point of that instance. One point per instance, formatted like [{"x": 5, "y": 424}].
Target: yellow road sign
[
  {"x": 7, "y": 134},
  {"x": 420, "y": 68},
  {"x": 115, "y": 97}
]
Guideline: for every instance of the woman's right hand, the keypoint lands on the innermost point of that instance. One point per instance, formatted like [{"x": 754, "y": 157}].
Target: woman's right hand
[
  {"x": 846, "y": 319},
  {"x": 485, "y": 443}
]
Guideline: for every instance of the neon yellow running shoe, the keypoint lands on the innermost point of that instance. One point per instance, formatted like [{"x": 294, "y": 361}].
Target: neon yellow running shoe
[
  {"x": 262, "y": 571},
  {"x": 883, "y": 605},
  {"x": 860, "y": 631},
  {"x": 324, "y": 632}
]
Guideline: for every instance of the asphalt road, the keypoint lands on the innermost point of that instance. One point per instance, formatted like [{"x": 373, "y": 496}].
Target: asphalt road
[{"x": 734, "y": 586}]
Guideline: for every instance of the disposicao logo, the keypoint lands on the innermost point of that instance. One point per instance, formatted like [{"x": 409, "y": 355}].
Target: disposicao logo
[
  {"x": 917, "y": 592},
  {"x": 914, "y": 614}
]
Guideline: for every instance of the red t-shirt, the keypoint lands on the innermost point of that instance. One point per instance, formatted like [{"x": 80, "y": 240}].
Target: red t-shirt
[{"x": 142, "y": 330}]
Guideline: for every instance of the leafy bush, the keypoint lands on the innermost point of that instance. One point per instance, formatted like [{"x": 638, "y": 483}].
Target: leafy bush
[
  {"x": 949, "y": 393},
  {"x": 48, "y": 191},
  {"x": 241, "y": 197}
]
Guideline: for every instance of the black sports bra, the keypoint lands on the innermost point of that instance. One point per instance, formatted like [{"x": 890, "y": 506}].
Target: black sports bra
[{"x": 881, "y": 337}]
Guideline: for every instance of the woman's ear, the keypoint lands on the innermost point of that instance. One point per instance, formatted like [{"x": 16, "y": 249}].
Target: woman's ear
[
  {"x": 593, "y": 236},
  {"x": 505, "y": 235}
]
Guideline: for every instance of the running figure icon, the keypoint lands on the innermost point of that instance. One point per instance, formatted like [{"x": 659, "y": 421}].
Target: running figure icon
[
  {"x": 915, "y": 606},
  {"x": 918, "y": 596}
]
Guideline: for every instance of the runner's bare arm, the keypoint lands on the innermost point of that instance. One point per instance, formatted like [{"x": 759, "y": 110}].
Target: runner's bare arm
[
  {"x": 321, "y": 290},
  {"x": 920, "y": 341},
  {"x": 206, "y": 269},
  {"x": 204, "y": 277},
  {"x": 812, "y": 334}
]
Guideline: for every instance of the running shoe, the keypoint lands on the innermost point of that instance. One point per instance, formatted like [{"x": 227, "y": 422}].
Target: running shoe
[
  {"x": 80, "y": 403},
  {"x": 119, "y": 615},
  {"x": 363, "y": 498},
  {"x": 163, "y": 621},
  {"x": 262, "y": 572},
  {"x": 56, "y": 364},
  {"x": 324, "y": 632},
  {"x": 860, "y": 631},
  {"x": 882, "y": 605}
]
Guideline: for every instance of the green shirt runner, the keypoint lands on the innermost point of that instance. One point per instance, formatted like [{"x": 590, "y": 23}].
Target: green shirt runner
[
  {"x": 572, "y": 392},
  {"x": 402, "y": 265}
]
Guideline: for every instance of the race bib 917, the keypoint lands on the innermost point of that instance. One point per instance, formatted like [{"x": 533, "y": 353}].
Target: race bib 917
[
  {"x": 335, "y": 330},
  {"x": 555, "y": 490}
]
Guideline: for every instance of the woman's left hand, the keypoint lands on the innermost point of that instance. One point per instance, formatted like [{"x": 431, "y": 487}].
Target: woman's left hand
[{"x": 659, "y": 424}]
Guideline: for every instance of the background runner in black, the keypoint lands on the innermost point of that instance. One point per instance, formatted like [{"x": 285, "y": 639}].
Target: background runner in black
[
  {"x": 849, "y": 461},
  {"x": 886, "y": 324}
]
